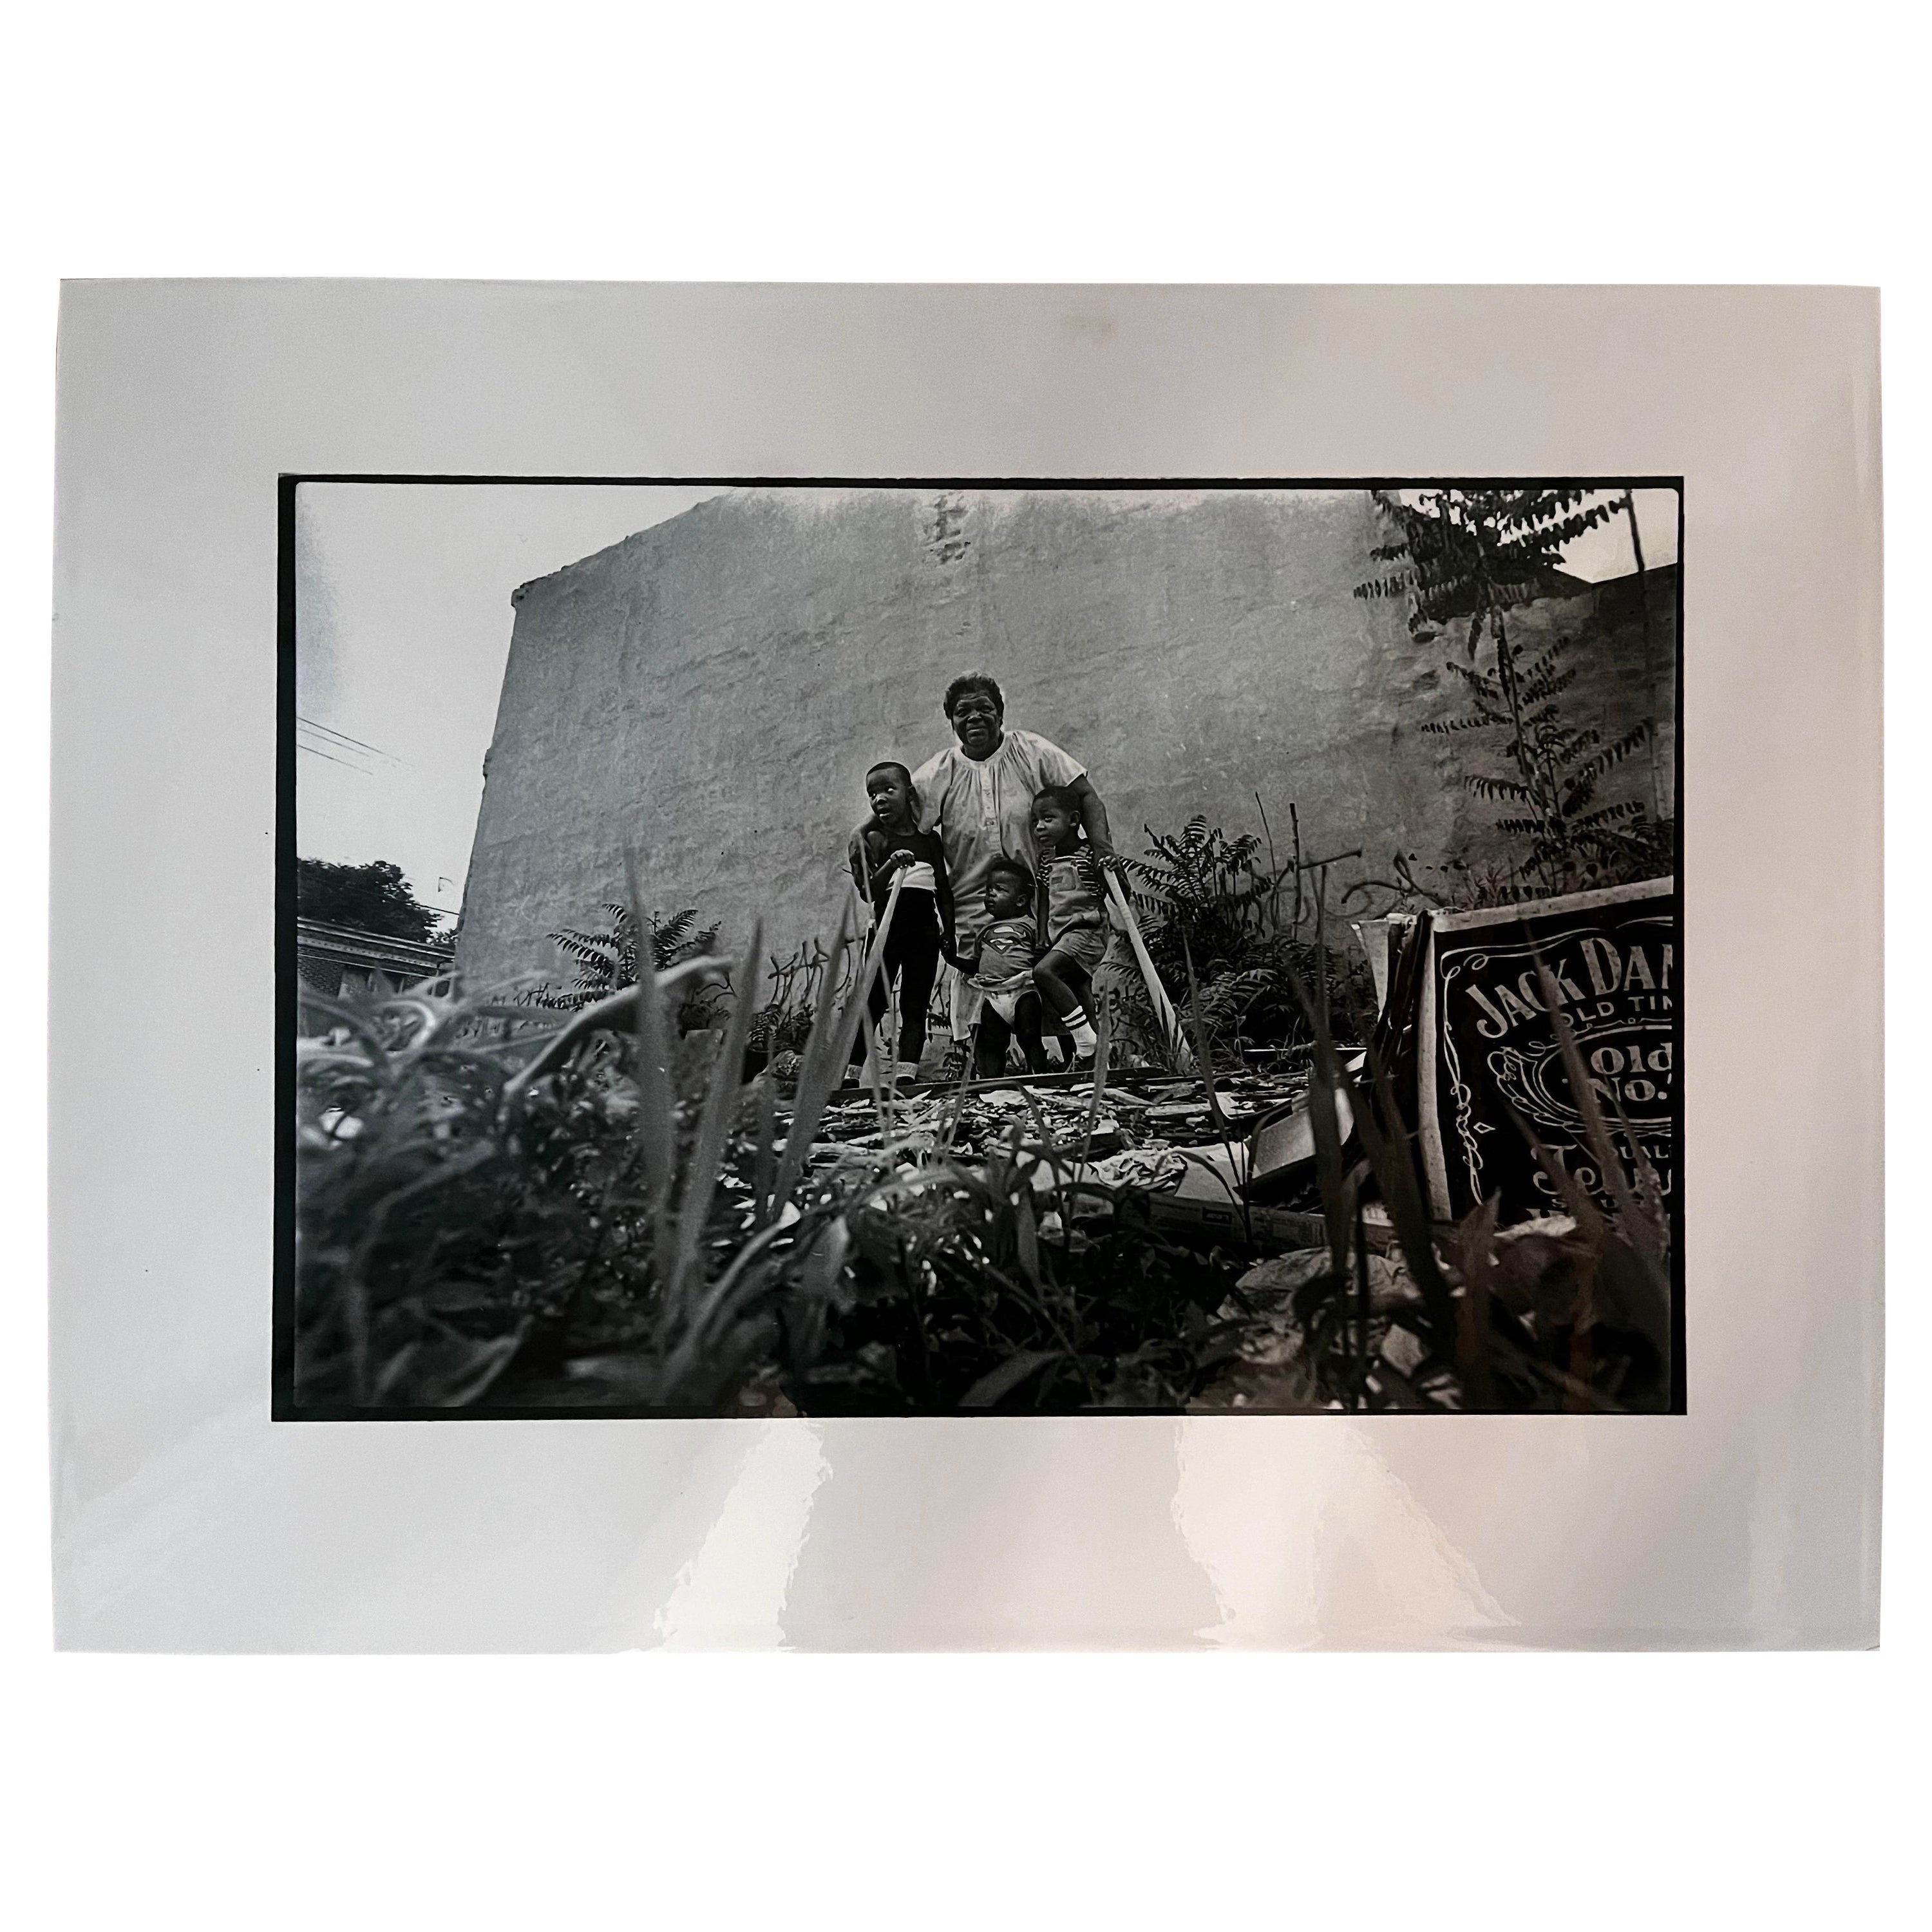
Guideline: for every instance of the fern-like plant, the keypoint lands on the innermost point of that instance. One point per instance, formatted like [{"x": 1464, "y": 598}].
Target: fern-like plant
[
  {"x": 1570, "y": 839},
  {"x": 606, "y": 961},
  {"x": 1467, "y": 555},
  {"x": 1216, "y": 918},
  {"x": 1203, "y": 894}
]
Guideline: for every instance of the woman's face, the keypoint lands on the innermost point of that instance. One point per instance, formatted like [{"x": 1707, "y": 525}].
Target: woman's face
[
  {"x": 976, "y": 722},
  {"x": 892, "y": 798}
]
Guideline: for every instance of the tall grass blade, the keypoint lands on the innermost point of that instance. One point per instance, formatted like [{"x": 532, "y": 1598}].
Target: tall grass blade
[
  {"x": 656, "y": 1128},
  {"x": 874, "y": 1055},
  {"x": 1002, "y": 1381},
  {"x": 685, "y": 1363},
  {"x": 615, "y": 1012},
  {"x": 1385, "y": 1139},
  {"x": 1323, "y": 1121},
  {"x": 1103, "y": 1038},
  {"x": 1026, "y": 1237},
  {"x": 1637, "y": 1227},
  {"x": 819, "y": 1276},
  {"x": 855, "y": 1011},
  {"x": 814, "y": 1083},
  {"x": 714, "y": 1128},
  {"x": 765, "y": 1155},
  {"x": 1204, "y": 1053},
  {"x": 1378, "y": 1122}
]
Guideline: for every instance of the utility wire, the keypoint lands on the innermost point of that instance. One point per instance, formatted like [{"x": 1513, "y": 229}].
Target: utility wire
[
  {"x": 361, "y": 771},
  {"x": 316, "y": 725},
  {"x": 343, "y": 737}
]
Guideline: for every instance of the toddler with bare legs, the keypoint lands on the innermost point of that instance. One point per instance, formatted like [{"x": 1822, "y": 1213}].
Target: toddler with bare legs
[{"x": 998, "y": 963}]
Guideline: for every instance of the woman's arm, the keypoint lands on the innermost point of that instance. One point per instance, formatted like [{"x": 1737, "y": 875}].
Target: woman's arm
[
  {"x": 1092, "y": 814},
  {"x": 942, "y": 892}
]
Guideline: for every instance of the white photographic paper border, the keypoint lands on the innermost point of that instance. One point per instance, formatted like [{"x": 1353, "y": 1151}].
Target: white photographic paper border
[{"x": 186, "y": 1519}]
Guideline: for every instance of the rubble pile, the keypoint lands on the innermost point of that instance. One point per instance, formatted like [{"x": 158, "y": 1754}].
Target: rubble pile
[
  {"x": 1134, "y": 1131},
  {"x": 1144, "y": 1137}
]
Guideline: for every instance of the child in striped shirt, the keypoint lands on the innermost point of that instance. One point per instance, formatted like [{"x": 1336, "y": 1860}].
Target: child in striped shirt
[{"x": 1070, "y": 915}]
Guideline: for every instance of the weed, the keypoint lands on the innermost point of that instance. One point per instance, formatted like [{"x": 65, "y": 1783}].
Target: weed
[
  {"x": 1472, "y": 554},
  {"x": 1241, "y": 930},
  {"x": 606, "y": 961},
  {"x": 1568, "y": 1313},
  {"x": 593, "y": 1211}
]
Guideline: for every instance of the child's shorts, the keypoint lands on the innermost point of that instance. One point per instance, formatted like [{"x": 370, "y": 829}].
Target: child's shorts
[{"x": 1081, "y": 946}]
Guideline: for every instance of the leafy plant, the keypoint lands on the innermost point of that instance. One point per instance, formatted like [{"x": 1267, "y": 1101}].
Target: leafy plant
[
  {"x": 592, "y": 1215},
  {"x": 1217, "y": 916},
  {"x": 1470, "y": 555},
  {"x": 1571, "y": 1314},
  {"x": 784, "y": 1023},
  {"x": 1471, "y": 552},
  {"x": 1009, "y": 1283},
  {"x": 1204, "y": 892},
  {"x": 597, "y": 1212},
  {"x": 606, "y": 961},
  {"x": 1571, "y": 839}
]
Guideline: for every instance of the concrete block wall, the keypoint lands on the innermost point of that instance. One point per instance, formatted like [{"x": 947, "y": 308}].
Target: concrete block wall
[{"x": 710, "y": 692}]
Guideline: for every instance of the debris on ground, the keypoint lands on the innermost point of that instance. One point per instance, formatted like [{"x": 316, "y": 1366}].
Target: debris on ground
[
  {"x": 1235, "y": 1161},
  {"x": 1133, "y": 1110}
]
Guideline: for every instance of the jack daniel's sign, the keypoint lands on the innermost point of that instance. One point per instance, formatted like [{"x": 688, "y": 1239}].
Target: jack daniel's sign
[{"x": 1489, "y": 1057}]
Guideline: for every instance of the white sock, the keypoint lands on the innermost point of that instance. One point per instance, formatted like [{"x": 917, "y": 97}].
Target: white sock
[{"x": 1085, "y": 1039}]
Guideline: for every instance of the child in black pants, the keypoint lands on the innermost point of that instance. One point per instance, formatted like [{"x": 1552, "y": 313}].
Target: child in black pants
[{"x": 888, "y": 844}]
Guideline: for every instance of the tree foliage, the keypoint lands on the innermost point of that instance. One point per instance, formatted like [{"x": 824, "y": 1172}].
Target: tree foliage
[
  {"x": 1470, "y": 554},
  {"x": 1473, "y": 553},
  {"x": 374, "y": 897}
]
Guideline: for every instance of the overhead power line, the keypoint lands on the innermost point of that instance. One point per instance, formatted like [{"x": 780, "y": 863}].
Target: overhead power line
[
  {"x": 361, "y": 771},
  {"x": 344, "y": 738}
]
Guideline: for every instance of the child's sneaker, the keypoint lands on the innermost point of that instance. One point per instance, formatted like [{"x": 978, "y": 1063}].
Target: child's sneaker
[{"x": 958, "y": 1057}]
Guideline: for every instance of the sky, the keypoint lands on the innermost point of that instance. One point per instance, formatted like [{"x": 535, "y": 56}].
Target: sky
[{"x": 403, "y": 629}]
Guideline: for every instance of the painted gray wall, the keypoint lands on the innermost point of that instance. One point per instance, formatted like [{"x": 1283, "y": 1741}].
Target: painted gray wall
[{"x": 711, "y": 690}]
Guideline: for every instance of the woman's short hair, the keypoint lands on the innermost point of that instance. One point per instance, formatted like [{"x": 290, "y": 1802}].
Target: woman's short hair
[{"x": 974, "y": 680}]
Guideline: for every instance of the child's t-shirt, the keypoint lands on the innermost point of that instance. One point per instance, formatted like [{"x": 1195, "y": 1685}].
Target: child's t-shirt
[
  {"x": 922, "y": 848},
  {"x": 1007, "y": 949},
  {"x": 1072, "y": 893}
]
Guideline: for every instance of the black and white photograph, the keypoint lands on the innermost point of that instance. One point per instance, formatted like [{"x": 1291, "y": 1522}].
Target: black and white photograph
[
  {"x": 752, "y": 948},
  {"x": 943, "y": 907}
]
